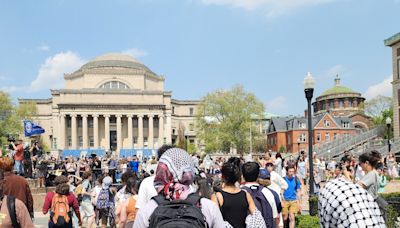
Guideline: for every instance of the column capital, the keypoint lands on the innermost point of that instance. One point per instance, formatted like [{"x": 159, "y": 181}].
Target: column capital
[
  {"x": 118, "y": 115},
  {"x": 168, "y": 115},
  {"x": 74, "y": 115},
  {"x": 150, "y": 115},
  {"x": 85, "y": 115},
  {"x": 107, "y": 116},
  {"x": 95, "y": 115},
  {"x": 62, "y": 115},
  {"x": 140, "y": 115},
  {"x": 129, "y": 115}
]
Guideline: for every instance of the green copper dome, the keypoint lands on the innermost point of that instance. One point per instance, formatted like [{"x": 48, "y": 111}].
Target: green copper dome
[{"x": 337, "y": 88}]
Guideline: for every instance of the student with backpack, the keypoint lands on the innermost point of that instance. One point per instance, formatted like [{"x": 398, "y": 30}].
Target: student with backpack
[
  {"x": 60, "y": 203},
  {"x": 105, "y": 204},
  {"x": 291, "y": 196},
  {"x": 263, "y": 197},
  {"x": 176, "y": 204}
]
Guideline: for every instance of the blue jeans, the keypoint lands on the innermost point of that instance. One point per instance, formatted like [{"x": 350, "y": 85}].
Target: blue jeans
[{"x": 18, "y": 167}]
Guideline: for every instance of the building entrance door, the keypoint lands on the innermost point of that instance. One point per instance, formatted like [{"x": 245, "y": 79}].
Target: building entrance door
[{"x": 113, "y": 140}]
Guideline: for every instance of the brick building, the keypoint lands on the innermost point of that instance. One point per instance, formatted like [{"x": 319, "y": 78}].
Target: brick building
[{"x": 290, "y": 134}]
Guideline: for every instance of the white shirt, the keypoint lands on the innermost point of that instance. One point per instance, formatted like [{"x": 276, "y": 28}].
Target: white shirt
[
  {"x": 269, "y": 196},
  {"x": 277, "y": 183},
  {"x": 146, "y": 191}
]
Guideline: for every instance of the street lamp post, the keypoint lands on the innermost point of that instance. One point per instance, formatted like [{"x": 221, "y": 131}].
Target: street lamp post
[
  {"x": 388, "y": 123},
  {"x": 298, "y": 146},
  {"x": 186, "y": 140},
  {"x": 309, "y": 90}
]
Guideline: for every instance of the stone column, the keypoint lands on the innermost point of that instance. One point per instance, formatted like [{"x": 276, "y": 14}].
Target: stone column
[
  {"x": 150, "y": 140},
  {"x": 74, "y": 137},
  {"x": 140, "y": 131},
  {"x": 96, "y": 131},
  {"x": 130, "y": 132},
  {"x": 85, "y": 136},
  {"x": 160, "y": 130},
  {"x": 168, "y": 129},
  {"x": 119, "y": 132},
  {"x": 107, "y": 131},
  {"x": 62, "y": 133}
]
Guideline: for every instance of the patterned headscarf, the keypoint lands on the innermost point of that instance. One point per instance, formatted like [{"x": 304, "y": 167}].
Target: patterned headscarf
[{"x": 175, "y": 173}]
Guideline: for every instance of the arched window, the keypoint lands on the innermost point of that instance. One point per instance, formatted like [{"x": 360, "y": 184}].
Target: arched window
[{"x": 114, "y": 85}]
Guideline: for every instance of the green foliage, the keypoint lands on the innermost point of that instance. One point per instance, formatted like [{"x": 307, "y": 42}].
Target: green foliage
[
  {"x": 314, "y": 205},
  {"x": 260, "y": 145},
  {"x": 393, "y": 209},
  {"x": 225, "y": 118},
  {"x": 282, "y": 149},
  {"x": 12, "y": 116},
  {"x": 307, "y": 221},
  {"x": 379, "y": 108}
]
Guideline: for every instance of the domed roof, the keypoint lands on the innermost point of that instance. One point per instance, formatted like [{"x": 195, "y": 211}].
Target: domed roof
[
  {"x": 337, "y": 89},
  {"x": 115, "y": 60}
]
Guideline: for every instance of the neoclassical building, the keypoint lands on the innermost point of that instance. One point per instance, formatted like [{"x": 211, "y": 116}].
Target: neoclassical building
[
  {"x": 116, "y": 103},
  {"x": 342, "y": 101}
]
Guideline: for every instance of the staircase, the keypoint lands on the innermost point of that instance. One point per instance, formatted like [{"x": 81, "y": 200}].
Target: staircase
[{"x": 351, "y": 142}]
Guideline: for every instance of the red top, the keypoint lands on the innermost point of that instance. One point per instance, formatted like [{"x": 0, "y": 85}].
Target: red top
[
  {"x": 72, "y": 202},
  {"x": 19, "y": 153}
]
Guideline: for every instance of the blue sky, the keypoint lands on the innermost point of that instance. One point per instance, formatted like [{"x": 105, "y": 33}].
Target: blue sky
[{"x": 202, "y": 45}]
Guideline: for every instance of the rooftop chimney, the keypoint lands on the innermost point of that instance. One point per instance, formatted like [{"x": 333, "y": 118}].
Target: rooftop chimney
[{"x": 305, "y": 113}]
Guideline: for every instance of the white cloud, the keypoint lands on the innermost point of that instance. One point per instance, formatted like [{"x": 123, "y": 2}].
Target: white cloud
[
  {"x": 3, "y": 78},
  {"x": 383, "y": 88},
  {"x": 137, "y": 53},
  {"x": 276, "y": 104},
  {"x": 51, "y": 72},
  {"x": 272, "y": 8},
  {"x": 43, "y": 47}
]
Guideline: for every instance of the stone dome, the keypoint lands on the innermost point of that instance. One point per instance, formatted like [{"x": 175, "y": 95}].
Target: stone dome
[{"x": 115, "y": 60}]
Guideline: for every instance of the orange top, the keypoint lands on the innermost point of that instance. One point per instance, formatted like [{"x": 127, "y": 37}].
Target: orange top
[{"x": 131, "y": 209}]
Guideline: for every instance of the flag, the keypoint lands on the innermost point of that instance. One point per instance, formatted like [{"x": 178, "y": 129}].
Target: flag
[{"x": 31, "y": 128}]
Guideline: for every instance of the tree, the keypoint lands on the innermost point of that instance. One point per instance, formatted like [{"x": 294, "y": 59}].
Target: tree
[
  {"x": 377, "y": 105},
  {"x": 12, "y": 116},
  {"x": 225, "y": 118}
]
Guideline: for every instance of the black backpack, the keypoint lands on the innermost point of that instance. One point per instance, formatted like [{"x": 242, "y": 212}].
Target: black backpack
[
  {"x": 178, "y": 213},
  {"x": 262, "y": 204}
]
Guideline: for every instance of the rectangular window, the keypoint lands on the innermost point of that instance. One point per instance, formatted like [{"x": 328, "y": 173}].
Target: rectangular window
[
  {"x": 55, "y": 143},
  {"x": 113, "y": 120},
  {"x": 334, "y": 136},
  {"x": 79, "y": 122},
  {"x": 90, "y": 123},
  {"x": 80, "y": 141},
  {"x": 134, "y": 140},
  {"x": 145, "y": 123},
  {"x": 341, "y": 103},
  {"x": 135, "y": 123},
  {"x": 318, "y": 137},
  {"x": 327, "y": 137},
  {"x": 191, "y": 111},
  {"x": 302, "y": 125},
  {"x": 69, "y": 141},
  {"x": 327, "y": 123},
  {"x": 191, "y": 127},
  {"x": 346, "y": 125},
  {"x": 302, "y": 137},
  {"x": 173, "y": 110},
  {"x": 91, "y": 141},
  {"x": 68, "y": 123}
]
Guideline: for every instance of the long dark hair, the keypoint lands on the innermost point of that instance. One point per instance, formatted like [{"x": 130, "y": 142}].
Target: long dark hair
[{"x": 230, "y": 173}]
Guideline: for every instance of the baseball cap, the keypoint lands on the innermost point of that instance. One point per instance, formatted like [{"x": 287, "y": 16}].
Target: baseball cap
[{"x": 264, "y": 174}]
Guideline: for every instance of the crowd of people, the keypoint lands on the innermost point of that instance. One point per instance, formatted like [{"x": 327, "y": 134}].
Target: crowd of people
[{"x": 175, "y": 189}]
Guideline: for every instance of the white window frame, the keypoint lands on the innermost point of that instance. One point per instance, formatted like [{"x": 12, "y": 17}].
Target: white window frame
[{"x": 327, "y": 123}]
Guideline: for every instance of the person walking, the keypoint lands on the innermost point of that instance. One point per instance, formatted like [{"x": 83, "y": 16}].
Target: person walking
[
  {"x": 175, "y": 173},
  {"x": 128, "y": 208},
  {"x": 370, "y": 181},
  {"x": 60, "y": 204},
  {"x": 291, "y": 196},
  {"x": 235, "y": 204}
]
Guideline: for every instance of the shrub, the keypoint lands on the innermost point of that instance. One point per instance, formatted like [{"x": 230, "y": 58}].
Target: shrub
[
  {"x": 313, "y": 205},
  {"x": 307, "y": 221},
  {"x": 392, "y": 210}
]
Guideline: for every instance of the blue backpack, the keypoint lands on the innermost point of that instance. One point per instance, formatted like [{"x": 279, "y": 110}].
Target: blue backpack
[
  {"x": 105, "y": 199},
  {"x": 262, "y": 204}
]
